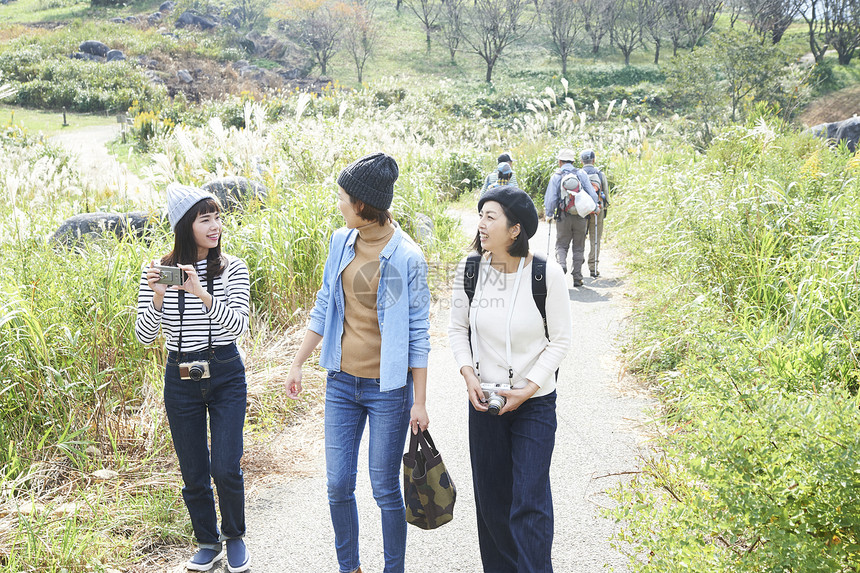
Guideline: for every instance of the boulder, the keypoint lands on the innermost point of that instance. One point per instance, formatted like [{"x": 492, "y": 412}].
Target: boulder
[
  {"x": 185, "y": 76},
  {"x": 189, "y": 18},
  {"x": 167, "y": 6},
  {"x": 235, "y": 192},
  {"x": 848, "y": 130},
  {"x": 97, "y": 225},
  {"x": 114, "y": 56},
  {"x": 94, "y": 47}
]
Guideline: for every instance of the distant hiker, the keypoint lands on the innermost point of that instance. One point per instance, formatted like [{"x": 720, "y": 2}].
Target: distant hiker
[
  {"x": 595, "y": 222},
  {"x": 509, "y": 330},
  {"x": 372, "y": 315},
  {"x": 201, "y": 315},
  {"x": 571, "y": 227},
  {"x": 502, "y": 175}
]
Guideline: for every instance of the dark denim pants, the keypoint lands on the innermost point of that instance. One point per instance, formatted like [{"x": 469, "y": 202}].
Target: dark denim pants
[
  {"x": 349, "y": 402},
  {"x": 511, "y": 456},
  {"x": 223, "y": 397}
]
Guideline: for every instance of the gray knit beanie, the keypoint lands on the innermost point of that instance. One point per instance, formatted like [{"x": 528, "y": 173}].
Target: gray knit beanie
[
  {"x": 181, "y": 198},
  {"x": 371, "y": 179}
]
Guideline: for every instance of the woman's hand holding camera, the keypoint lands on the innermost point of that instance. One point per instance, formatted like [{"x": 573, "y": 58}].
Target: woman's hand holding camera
[
  {"x": 515, "y": 398},
  {"x": 473, "y": 386},
  {"x": 193, "y": 286}
]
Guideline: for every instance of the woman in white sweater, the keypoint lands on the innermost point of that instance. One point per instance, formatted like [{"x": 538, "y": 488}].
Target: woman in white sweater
[
  {"x": 509, "y": 356},
  {"x": 201, "y": 318}
]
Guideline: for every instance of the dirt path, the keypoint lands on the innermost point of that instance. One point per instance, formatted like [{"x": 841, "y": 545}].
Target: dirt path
[
  {"x": 836, "y": 106},
  {"x": 100, "y": 169},
  {"x": 600, "y": 433}
]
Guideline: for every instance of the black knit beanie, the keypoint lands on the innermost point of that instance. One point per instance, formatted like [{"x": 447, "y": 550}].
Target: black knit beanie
[{"x": 371, "y": 179}]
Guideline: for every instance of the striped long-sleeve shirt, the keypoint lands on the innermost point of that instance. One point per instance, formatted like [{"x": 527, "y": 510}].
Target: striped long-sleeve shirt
[{"x": 228, "y": 315}]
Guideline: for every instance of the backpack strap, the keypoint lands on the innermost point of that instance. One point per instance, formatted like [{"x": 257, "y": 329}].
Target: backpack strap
[
  {"x": 470, "y": 275},
  {"x": 539, "y": 287}
]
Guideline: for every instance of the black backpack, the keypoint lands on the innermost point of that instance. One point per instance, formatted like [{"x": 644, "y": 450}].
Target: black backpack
[{"x": 470, "y": 281}]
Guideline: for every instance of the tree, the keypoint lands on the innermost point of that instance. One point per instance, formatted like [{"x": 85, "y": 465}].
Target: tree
[
  {"x": 360, "y": 34},
  {"x": 655, "y": 24},
  {"x": 597, "y": 16},
  {"x": 771, "y": 18},
  {"x": 563, "y": 27},
  {"x": 816, "y": 29},
  {"x": 493, "y": 25},
  {"x": 627, "y": 26},
  {"x": 842, "y": 27},
  {"x": 451, "y": 25},
  {"x": 428, "y": 12},
  {"x": 317, "y": 24},
  {"x": 693, "y": 20}
]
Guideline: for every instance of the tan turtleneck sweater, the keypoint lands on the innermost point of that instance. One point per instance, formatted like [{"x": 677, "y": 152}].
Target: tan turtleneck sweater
[{"x": 361, "y": 343}]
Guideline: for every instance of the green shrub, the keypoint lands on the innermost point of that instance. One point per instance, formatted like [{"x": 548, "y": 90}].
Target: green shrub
[
  {"x": 459, "y": 173},
  {"x": 750, "y": 319}
]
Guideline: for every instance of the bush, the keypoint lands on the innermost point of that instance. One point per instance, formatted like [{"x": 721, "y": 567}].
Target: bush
[{"x": 459, "y": 173}]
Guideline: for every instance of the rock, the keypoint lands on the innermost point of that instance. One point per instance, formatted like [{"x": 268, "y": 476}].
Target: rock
[
  {"x": 425, "y": 230},
  {"x": 189, "y": 18},
  {"x": 96, "y": 225},
  {"x": 235, "y": 192},
  {"x": 167, "y": 6},
  {"x": 105, "y": 474},
  {"x": 94, "y": 47},
  {"x": 154, "y": 18},
  {"x": 847, "y": 130},
  {"x": 114, "y": 56},
  {"x": 185, "y": 76},
  {"x": 118, "y": 20},
  {"x": 85, "y": 56}
]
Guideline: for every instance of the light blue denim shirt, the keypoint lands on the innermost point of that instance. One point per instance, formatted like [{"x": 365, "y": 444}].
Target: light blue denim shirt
[
  {"x": 402, "y": 306},
  {"x": 550, "y": 202}
]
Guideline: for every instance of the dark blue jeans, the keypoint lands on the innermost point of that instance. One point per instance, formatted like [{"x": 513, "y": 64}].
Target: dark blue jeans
[
  {"x": 223, "y": 397},
  {"x": 511, "y": 456},
  {"x": 349, "y": 402}
]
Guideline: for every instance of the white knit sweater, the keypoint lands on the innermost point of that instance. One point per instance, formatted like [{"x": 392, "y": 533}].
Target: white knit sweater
[{"x": 533, "y": 357}]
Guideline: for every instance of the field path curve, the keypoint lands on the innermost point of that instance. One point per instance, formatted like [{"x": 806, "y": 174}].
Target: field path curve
[
  {"x": 101, "y": 170},
  {"x": 602, "y": 416}
]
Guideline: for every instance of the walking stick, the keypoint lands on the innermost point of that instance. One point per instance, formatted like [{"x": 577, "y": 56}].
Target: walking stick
[{"x": 594, "y": 244}]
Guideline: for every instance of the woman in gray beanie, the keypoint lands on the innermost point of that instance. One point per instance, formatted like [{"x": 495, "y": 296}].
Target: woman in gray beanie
[
  {"x": 201, "y": 315},
  {"x": 509, "y": 351},
  {"x": 372, "y": 318}
]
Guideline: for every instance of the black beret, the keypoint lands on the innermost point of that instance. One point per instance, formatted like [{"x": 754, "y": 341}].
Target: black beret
[{"x": 519, "y": 205}]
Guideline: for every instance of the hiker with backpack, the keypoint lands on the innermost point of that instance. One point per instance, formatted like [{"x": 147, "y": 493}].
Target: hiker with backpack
[
  {"x": 595, "y": 221},
  {"x": 571, "y": 222},
  {"x": 502, "y": 175},
  {"x": 509, "y": 330}
]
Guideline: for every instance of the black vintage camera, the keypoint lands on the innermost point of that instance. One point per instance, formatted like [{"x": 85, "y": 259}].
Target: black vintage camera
[
  {"x": 171, "y": 275},
  {"x": 194, "y": 370},
  {"x": 495, "y": 401}
]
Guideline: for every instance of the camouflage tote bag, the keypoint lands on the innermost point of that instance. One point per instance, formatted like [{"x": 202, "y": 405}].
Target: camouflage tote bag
[{"x": 427, "y": 488}]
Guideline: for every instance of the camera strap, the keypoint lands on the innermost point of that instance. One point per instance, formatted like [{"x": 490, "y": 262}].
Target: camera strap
[
  {"x": 210, "y": 288},
  {"x": 474, "y": 316}
]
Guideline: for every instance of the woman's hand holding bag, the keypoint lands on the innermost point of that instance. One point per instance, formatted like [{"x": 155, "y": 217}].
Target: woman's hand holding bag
[{"x": 427, "y": 488}]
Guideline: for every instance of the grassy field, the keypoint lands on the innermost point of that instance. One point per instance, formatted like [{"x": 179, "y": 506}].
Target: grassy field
[{"x": 50, "y": 123}]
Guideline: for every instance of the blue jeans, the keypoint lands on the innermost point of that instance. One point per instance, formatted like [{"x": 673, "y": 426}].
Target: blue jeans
[
  {"x": 349, "y": 402},
  {"x": 223, "y": 397},
  {"x": 511, "y": 455}
]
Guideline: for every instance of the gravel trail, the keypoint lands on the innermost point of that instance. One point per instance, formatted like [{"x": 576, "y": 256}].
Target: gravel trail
[{"x": 601, "y": 416}]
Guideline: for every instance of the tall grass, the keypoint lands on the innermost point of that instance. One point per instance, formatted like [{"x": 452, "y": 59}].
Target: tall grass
[{"x": 748, "y": 257}]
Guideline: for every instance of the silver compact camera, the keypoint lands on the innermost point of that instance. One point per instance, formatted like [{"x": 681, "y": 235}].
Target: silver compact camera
[
  {"x": 170, "y": 275},
  {"x": 495, "y": 401},
  {"x": 194, "y": 370}
]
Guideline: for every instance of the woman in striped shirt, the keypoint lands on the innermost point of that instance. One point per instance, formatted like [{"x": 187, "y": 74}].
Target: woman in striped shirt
[{"x": 201, "y": 320}]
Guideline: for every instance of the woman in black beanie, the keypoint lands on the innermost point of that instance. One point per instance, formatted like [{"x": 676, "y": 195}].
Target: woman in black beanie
[
  {"x": 509, "y": 351},
  {"x": 372, "y": 317}
]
